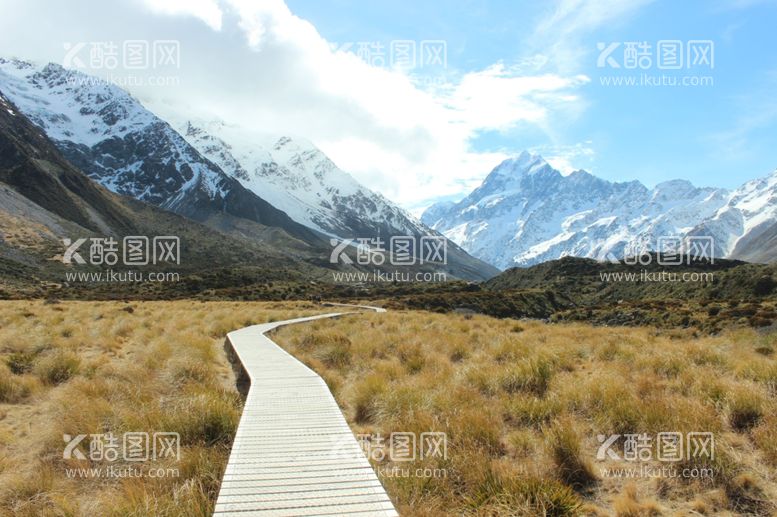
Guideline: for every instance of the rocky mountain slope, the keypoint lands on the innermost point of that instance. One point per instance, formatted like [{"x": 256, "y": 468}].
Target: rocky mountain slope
[
  {"x": 286, "y": 192},
  {"x": 108, "y": 134},
  {"x": 44, "y": 199}
]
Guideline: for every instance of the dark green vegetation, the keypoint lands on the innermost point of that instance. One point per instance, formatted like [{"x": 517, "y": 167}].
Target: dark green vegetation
[
  {"x": 569, "y": 289},
  {"x": 702, "y": 295}
]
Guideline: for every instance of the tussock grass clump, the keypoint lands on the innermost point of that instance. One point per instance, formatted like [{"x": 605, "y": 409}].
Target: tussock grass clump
[
  {"x": 529, "y": 375},
  {"x": 208, "y": 418},
  {"x": 57, "y": 367},
  {"x": 482, "y": 380},
  {"x": 613, "y": 405},
  {"x": 746, "y": 496},
  {"x": 337, "y": 355},
  {"x": 629, "y": 504},
  {"x": 412, "y": 357},
  {"x": 745, "y": 409},
  {"x": 189, "y": 371},
  {"x": 21, "y": 362},
  {"x": 512, "y": 493},
  {"x": 330, "y": 347},
  {"x": 563, "y": 441},
  {"x": 459, "y": 352},
  {"x": 530, "y": 410},
  {"x": 366, "y": 397},
  {"x": 478, "y": 429},
  {"x": 14, "y": 388},
  {"x": 765, "y": 437}
]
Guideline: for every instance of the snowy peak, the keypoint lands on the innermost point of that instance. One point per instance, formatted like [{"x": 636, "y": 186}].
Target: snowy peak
[
  {"x": 675, "y": 189},
  {"x": 526, "y": 212},
  {"x": 513, "y": 171},
  {"x": 297, "y": 177},
  {"x": 70, "y": 105},
  {"x": 525, "y": 163}
]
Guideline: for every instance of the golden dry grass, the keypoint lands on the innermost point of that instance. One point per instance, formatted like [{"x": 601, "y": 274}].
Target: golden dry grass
[
  {"x": 98, "y": 367},
  {"x": 522, "y": 403}
]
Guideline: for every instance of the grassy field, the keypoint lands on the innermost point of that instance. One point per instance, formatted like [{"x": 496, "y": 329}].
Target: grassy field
[
  {"x": 523, "y": 403},
  {"x": 112, "y": 367}
]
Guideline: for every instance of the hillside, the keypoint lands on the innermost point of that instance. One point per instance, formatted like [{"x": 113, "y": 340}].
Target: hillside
[{"x": 45, "y": 199}]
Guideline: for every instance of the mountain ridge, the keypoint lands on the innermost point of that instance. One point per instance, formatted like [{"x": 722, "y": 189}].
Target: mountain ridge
[
  {"x": 526, "y": 212},
  {"x": 296, "y": 176},
  {"x": 109, "y": 135}
]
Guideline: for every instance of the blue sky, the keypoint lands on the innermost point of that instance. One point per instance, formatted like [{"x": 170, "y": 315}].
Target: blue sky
[{"x": 720, "y": 134}]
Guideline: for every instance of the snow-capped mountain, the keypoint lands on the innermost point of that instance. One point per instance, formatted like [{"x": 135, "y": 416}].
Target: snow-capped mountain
[
  {"x": 219, "y": 175},
  {"x": 526, "y": 212},
  {"x": 108, "y": 134},
  {"x": 295, "y": 176}
]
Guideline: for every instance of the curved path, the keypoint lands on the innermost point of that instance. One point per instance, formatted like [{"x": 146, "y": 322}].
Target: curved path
[{"x": 293, "y": 452}]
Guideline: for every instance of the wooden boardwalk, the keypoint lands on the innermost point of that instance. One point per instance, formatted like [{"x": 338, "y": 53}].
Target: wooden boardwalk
[{"x": 293, "y": 453}]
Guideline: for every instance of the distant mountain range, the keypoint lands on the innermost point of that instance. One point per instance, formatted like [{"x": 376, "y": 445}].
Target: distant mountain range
[
  {"x": 273, "y": 190},
  {"x": 526, "y": 212},
  {"x": 282, "y": 191}
]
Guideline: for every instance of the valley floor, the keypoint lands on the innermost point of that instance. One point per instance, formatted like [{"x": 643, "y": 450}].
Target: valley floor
[{"x": 522, "y": 408}]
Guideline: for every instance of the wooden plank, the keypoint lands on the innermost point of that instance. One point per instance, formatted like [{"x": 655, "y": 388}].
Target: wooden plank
[{"x": 293, "y": 452}]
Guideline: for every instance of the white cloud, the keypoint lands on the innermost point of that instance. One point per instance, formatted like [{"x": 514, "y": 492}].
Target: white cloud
[
  {"x": 206, "y": 10},
  {"x": 574, "y": 17},
  {"x": 410, "y": 143},
  {"x": 567, "y": 158},
  {"x": 561, "y": 33},
  {"x": 257, "y": 65}
]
